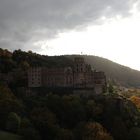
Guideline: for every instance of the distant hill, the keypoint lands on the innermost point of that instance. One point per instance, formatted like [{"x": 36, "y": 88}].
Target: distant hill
[{"x": 121, "y": 74}]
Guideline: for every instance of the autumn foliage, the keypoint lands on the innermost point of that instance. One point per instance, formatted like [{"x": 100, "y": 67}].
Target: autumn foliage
[{"x": 135, "y": 100}]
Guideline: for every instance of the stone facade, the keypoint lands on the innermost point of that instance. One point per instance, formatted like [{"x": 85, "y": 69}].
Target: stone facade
[
  {"x": 35, "y": 77},
  {"x": 80, "y": 76}
]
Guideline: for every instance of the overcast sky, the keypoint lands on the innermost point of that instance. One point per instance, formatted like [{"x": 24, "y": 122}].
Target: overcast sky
[{"x": 107, "y": 28}]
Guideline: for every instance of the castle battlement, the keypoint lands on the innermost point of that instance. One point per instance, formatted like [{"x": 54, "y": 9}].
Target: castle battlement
[{"x": 80, "y": 76}]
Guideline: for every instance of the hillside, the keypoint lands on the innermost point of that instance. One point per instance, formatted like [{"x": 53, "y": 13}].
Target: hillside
[
  {"x": 19, "y": 59},
  {"x": 121, "y": 74},
  {"x": 30, "y": 116}
]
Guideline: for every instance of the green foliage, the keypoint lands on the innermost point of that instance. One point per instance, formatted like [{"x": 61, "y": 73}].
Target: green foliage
[
  {"x": 25, "y": 123},
  {"x": 64, "y": 134},
  {"x": 111, "y": 88},
  {"x": 27, "y": 130},
  {"x": 45, "y": 121},
  {"x": 6, "y": 62},
  {"x": 93, "y": 109},
  {"x": 54, "y": 114},
  {"x": 119, "y": 129},
  {"x": 13, "y": 122},
  {"x": 20, "y": 78},
  {"x": 6, "y": 93},
  {"x": 61, "y": 116},
  {"x": 42, "y": 116},
  {"x": 8, "y": 103},
  {"x": 7, "y": 106},
  {"x": 30, "y": 134},
  {"x": 9, "y": 136},
  {"x": 134, "y": 133},
  {"x": 34, "y": 59},
  {"x": 92, "y": 131},
  {"x": 24, "y": 65},
  {"x": 68, "y": 109}
]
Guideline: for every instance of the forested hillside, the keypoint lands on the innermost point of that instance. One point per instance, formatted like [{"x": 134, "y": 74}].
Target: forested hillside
[
  {"x": 62, "y": 116},
  {"x": 123, "y": 75},
  {"x": 19, "y": 59}
]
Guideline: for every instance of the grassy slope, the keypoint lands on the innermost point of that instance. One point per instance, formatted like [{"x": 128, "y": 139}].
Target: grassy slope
[{"x": 9, "y": 136}]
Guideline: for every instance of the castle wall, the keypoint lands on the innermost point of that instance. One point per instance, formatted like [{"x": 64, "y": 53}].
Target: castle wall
[
  {"x": 52, "y": 77},
  {"x": 35, "y": 77},
  {"x": 80, "y": 76}
]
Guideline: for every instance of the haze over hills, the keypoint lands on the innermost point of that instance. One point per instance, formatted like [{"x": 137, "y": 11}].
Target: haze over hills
[{"x": 121, "y": 74}]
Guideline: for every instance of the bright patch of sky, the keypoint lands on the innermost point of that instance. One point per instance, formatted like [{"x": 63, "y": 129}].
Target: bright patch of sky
[{"x": 117, "y": 39}]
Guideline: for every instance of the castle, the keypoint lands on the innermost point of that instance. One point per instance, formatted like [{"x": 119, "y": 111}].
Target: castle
[{"x": 80, "y": 76}]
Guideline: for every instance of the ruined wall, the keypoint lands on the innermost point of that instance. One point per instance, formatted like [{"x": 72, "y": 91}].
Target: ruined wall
[{"x": 79, "y": 76}]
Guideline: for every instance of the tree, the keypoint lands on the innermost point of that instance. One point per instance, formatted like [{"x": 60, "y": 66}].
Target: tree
[
  {"x": 13, "y": 122},
  {"x": 27, "y": 130},
  {"x": 92, "y": 131},
  {"x": 45, "y": 121},
  {"x": 119, "y": 129},
  {"x": 8, "y": 103},
  {"x": 95, "y": 131},
  {"x": 111, "y": 89},
  {"x": 6, "y": 93},
  {"x": 135, "y": 100},
  {"x": 93, "y": 109},
  {"x": 64, "y": 134},
  {"x": 30, "y": 134},
  {"x": 134, "y": 134},
  {"x": 24, "y": 65}
]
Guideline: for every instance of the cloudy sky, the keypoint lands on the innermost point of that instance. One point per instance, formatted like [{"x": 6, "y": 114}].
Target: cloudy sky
[{"x": 107, "y": 28}]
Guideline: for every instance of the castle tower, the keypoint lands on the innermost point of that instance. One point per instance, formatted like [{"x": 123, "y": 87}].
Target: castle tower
[
  {"x": 79, "y": 65},
  {"x": 79, "y": 72},
  {"x": 35, "y": 77},
  {"x": 68, "y": 77}
]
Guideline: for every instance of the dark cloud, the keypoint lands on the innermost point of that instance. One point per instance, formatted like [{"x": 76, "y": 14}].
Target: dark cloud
[{"x": 25, "y": 21}]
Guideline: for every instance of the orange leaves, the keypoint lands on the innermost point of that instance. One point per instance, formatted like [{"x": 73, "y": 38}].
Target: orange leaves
[{"x": 135, "y": 100}]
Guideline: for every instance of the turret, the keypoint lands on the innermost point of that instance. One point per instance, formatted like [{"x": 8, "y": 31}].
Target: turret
[{"x": 79, "y": 65}]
